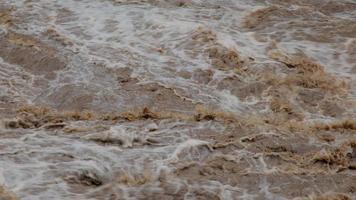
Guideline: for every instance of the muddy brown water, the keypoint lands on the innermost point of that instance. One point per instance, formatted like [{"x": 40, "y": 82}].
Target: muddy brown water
[{"x": 188, "y": 99}]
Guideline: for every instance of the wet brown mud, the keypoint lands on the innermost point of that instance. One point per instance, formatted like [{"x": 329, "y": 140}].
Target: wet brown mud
[
  {"x": 6, "y": 195},
  {"x": 320, "y": 19},
  {"x": 30, "y": 54}
]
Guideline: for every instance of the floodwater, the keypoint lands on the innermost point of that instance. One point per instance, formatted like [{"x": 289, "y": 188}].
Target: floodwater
[{"x": 178, "y": 99}]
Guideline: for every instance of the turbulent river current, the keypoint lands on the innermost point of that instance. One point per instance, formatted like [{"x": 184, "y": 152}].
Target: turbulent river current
[{"x": 178, "y": 99}]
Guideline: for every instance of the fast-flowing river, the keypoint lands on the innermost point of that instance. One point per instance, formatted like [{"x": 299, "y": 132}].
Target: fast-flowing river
[{"x": 177, "y": 99}]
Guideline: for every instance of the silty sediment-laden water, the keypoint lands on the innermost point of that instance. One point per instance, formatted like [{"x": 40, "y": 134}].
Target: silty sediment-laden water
[{"x": 189, "y": 99}]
